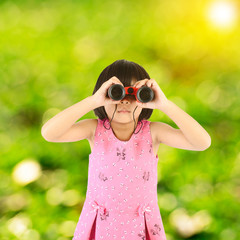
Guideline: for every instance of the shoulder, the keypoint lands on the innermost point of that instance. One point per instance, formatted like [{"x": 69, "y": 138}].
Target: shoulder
[
  {"x": 164, "y": 133},
  {"x": 153, "y": 128},
  {"x": 92, "y": 126},
  {"x": 94, "y": 122},
  {"x": 156, "y": 128},
  {"x": 153, "y": 125}
]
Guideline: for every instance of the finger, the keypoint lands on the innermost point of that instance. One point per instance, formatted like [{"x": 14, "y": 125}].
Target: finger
[
  {"x": 116, "y": 80},
  {"x": 150, "y": 83},
  {"x": 119, "y": 82},
  {"x": 141, "y": 83}
]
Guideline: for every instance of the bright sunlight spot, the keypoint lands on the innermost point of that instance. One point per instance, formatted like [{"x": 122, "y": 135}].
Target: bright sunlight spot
[
  {"x": 26, "y": 171},
  {"x": 222, "y": 14}
]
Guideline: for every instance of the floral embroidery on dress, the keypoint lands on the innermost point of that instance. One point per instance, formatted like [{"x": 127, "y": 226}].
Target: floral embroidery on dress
[
  {"x": 146, "y": 176},
  {"x": 142, "y": 234},
  {"x": 150, "y": 150},
  {"x": 102, "y": 177},
  {"x": 156, "y": 229},
  {"x": 102, "y": 210},
  {"x": 104, "y": 215},
  {"x": 121, "y": 154}
]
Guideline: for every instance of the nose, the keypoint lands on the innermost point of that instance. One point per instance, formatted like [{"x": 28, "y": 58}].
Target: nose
[{"x": 125, "y": 101}]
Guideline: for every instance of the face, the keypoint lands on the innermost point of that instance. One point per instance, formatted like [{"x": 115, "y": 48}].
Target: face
[{"x": 128, "y": 103}]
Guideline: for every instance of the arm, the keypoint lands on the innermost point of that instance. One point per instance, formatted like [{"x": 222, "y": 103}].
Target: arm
[
  {"x": 190, "y": 129},
  {"x": 62, "y": 126},
  {"x": 191, "y": 135},
  {"x": 60, "y": 123}
]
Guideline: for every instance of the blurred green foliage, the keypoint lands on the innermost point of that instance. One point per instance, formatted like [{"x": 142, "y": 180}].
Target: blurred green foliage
[{"x": 51, "y": 54}]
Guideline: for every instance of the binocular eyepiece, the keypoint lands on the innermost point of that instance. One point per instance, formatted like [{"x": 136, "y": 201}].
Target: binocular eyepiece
[{"x": 118, "y": 92}]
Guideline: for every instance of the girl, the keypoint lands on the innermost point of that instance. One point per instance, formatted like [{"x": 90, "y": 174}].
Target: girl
[{"x": 121, "y": 200}]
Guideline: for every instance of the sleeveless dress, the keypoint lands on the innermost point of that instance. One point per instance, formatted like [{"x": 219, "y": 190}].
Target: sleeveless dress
[{"x": 121, "y": 200}]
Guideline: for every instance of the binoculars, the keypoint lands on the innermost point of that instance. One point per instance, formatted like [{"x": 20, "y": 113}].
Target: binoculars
[{"x": 118, "y": 92}]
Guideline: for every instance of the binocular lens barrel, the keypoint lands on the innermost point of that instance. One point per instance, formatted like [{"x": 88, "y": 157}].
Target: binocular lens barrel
[
  {"x": 116, "y": 92},
  {"x": 145, "y": 94}
]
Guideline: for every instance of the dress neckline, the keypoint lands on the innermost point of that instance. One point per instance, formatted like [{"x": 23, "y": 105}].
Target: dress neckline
[{"x": 136, "y": 130}]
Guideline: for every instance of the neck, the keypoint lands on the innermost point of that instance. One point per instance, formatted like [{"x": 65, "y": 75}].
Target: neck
[{"x": 124, "y": 128}]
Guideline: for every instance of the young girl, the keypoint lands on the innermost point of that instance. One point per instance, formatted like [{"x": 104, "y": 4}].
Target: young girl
[{"x": 121, "y": 200}]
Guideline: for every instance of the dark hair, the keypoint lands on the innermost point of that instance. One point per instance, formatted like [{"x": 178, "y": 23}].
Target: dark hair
[{"x": 125, "y": 71}]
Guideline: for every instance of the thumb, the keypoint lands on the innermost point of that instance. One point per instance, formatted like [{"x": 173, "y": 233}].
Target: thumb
[{"x": 140, "y": 104}]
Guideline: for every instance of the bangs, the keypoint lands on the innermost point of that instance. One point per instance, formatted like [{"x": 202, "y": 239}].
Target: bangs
[{"x": 126, "y": 71}]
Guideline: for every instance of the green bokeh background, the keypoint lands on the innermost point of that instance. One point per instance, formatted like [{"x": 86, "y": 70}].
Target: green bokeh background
[{"x": 51, "y": 54}]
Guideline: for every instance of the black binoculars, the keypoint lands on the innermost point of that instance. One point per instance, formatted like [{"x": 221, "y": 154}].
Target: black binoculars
[{"x": 118, "y": 92}]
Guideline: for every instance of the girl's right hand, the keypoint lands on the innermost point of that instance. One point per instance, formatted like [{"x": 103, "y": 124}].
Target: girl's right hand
[{"x": 100, "y": 95}]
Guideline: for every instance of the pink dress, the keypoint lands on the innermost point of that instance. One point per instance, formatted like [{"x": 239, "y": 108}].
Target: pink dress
[{"x": 121, "y": 200}]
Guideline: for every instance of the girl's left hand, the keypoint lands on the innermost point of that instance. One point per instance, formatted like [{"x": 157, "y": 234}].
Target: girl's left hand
[{"x": 159, "y": 101}]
